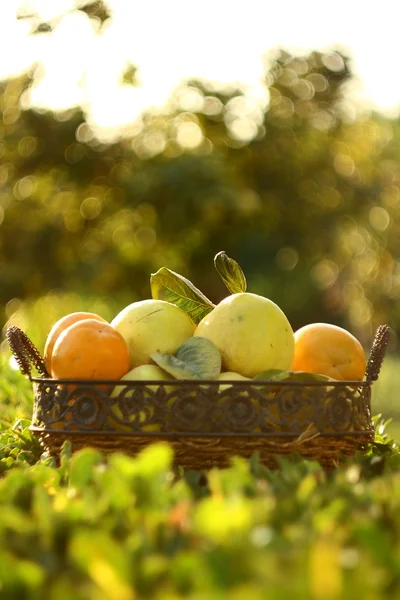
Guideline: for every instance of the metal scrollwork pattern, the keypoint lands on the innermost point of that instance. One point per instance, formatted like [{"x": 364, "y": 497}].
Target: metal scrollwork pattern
[{"x": 245, "y": 408}]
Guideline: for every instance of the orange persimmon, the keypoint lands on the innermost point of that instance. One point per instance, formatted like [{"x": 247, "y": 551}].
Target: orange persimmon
[
  {"x": 60, "y": 326},
  {"x": 329, "y": 350},
  {"x": 90, "y": 349}
]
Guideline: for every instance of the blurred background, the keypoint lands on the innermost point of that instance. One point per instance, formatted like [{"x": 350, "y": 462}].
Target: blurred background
[{"x": 142, "y": 134}]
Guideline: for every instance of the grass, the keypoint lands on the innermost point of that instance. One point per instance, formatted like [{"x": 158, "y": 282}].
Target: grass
[{"x": 385, "y": 394}]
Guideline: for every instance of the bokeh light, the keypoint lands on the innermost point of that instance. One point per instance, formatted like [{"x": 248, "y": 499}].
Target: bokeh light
[{"x": 151, "y": 138}]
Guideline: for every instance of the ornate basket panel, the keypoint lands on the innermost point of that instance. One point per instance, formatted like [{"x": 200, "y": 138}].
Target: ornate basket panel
[
  {"x": 206, "y": 422},
  {"x": 206, "y": 408}
]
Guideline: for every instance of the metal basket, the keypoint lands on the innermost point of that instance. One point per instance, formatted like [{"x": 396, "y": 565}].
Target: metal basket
[{"x": 206, "y": 422}]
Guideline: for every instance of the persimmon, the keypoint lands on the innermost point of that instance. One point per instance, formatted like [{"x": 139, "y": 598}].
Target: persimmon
[
  {"x": 60, "y": 326},
  {"x": 90, "y": 349},
  {"x": 329, "y": 350}
]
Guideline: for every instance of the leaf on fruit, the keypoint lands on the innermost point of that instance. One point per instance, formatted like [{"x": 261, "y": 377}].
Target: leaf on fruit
[
  {"x": 269, "y": 374},
  {"x": 231, "y": 273},
  {"x": 202, "y": 355},
  {"x": 197, "y": 358},
  {"x": 295, "y": 376},
  {"x": 175, "y": 367},
  {"x": 172, "y": 287}
]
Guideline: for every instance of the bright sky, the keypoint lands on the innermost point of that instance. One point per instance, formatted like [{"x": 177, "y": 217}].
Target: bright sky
[{"x": 169, "y": 40}]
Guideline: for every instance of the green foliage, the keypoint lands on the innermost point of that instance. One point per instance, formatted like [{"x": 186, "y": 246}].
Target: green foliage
[
  {"x": 103, "y": 527},
  {"x": 120, "y": 527},
  {"x": 15, "y": 393},
  {"x": 308, "y": 206}
]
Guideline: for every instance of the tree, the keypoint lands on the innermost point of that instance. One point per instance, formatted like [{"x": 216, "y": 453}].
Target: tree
[{"x": 302, "y": 196}]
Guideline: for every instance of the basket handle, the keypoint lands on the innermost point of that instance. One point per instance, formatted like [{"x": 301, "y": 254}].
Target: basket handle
[
  {"x": 377, "y": 353},
  {"x": 25, "y": 352}
]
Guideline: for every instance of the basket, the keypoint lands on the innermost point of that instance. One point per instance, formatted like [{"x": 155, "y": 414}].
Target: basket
[{"x": 205, "y": 422}]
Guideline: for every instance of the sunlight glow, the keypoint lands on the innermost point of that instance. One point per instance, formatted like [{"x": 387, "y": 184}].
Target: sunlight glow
[
  {"x": 13, "y": 363},
  {"x": 223, "y": 42}
]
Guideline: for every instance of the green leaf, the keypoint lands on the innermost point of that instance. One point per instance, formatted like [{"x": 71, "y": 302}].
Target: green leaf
[
  {"x": 231, "y": 273},
  {"x": 197, "y": 358},
  {"x": 154, "y": 459},
  {"x": 269, "y": 374},
  {"x": 278, "y": 375},
  {"x": 172, "y": 287},
  {"x": 175, "y": 367},
  {"x": 82, "y": 465},
  {"x": 202, "y": 355}
]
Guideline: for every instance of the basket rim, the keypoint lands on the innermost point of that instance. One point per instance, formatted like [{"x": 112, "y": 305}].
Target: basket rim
[{"x": 191, "y": 382}]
